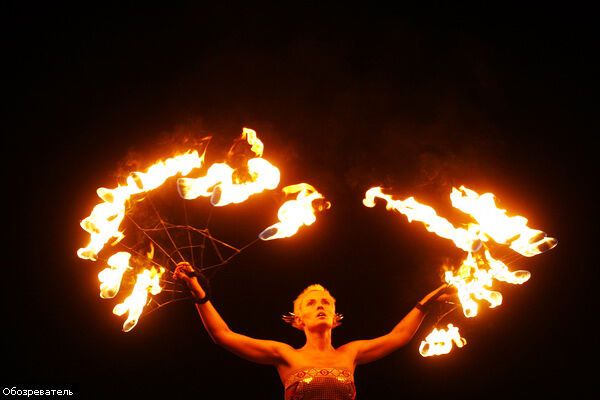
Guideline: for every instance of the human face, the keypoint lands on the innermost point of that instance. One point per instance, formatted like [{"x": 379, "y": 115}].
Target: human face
[{"x": 318, "y": 308}]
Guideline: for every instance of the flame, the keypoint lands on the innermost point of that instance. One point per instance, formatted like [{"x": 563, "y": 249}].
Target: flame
[
  {"x": 494, "y": 223},
  {"x": 147, "y": 282},
  {"x": 110, "y": 278},
  {"x": 473, "y": 283},
  {"x": 415, "y": 211},
  {"x": 254, "y": 141},
  {"x": 104, "y": 221},
  {"x": 475, "y": 276},
  {"x": 439, "y": 341},
  {"x": 221, "y": 184},
  {"x": 501, "y": 272},
  {"x": 295, "y": 213}
]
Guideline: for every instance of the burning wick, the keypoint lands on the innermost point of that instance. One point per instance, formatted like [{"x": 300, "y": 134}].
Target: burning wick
[
  {"x": 295, "y": 213},
  {"x": 268, "y": 233},
  {"x": 439, "y": 341}
]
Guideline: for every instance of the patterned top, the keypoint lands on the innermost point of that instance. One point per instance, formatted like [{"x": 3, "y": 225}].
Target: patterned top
[{"x": 314, "y": 383}]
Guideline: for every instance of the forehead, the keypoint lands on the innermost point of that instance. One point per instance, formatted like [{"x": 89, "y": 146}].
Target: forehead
[{"x": 316, "y": 295}]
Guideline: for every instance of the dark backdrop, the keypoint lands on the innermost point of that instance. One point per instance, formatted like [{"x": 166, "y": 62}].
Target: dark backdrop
[{"x": 499, "y": 99}]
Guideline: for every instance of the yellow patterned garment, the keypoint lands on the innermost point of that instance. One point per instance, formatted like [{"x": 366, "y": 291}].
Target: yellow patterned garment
[{"x": 320, "y": 383}]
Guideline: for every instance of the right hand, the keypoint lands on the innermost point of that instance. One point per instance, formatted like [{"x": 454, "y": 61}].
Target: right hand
[{"x": 181, "y": 272}]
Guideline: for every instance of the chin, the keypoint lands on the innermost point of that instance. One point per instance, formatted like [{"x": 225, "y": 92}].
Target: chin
[{"x": 323, "y": 324}]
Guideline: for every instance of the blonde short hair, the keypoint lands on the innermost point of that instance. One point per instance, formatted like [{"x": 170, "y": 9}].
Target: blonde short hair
[{"x": 298, "y": 302}]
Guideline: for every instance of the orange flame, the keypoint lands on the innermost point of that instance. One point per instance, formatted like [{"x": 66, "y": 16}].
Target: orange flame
[
  {"x": 223, "y": 186},
  {"x": 254, "y": 141},
  {"x": 475, "y": 276},
  {"x": 104, "y": 221},
  {"x": 110, "y": 278},
  {"x": 439, "y": 341},
  {"x": 295, "y": 213},
  {"x": 148, "y": 282},
  {"x": 494, "y": 222},
  {"x": 219, "y": 182},
  {"x": 473, "y": 283},
  {"x": 415, "y": 211}
]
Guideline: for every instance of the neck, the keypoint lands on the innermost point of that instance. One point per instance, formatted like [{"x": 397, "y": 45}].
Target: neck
[{"x": 319, "y": 340}]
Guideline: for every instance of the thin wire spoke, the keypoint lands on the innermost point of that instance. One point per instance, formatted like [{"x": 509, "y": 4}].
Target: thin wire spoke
[
  {"x": 204, "y": 232},
  {"x": 445, "y": 314},
  {"x": 216, "y": 248},
  {"x": 140, "y": 254},
  {"x": 170, "y": 282},
  {"x": 189, "y": 235},
  {"x": 169, "y": 225},
  {"x": 165, "y": 228},
  {"x": 203, "y": 248},
  {"x": 152, "y": 240},
  {"x": 161, "y": 305},
  {"x": 187, "y": 247},
  {"x": 225, "y": 261}
]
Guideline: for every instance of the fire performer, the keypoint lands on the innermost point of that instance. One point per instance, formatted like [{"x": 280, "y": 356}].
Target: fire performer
[{"x": 317, "y": 370}]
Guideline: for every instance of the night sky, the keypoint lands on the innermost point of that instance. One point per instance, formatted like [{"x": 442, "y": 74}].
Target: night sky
[{"x": 498, "y": 99}]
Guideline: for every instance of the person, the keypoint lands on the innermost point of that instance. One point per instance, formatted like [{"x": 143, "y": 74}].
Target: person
[{"x": 317, "y": 370}]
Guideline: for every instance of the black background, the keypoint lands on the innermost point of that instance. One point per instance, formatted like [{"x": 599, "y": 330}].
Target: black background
[{"x": 498, "y": 99}]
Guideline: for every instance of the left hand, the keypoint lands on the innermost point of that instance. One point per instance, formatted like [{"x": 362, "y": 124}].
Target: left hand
[
  {"x": 444, "y": 293},
  {"x": 447, "y": 294}
]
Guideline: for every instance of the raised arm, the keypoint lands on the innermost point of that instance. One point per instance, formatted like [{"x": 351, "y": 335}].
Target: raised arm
[
  {"x": 366, "y": 351},
  {"x": 255, "y": 350}
]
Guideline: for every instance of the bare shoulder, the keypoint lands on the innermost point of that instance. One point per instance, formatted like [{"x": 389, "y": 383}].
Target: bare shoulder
[
  {"x": 291, "y": 360},
  {"x": 350, "y": 347},
  {"x": 284, "y": 348}
]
